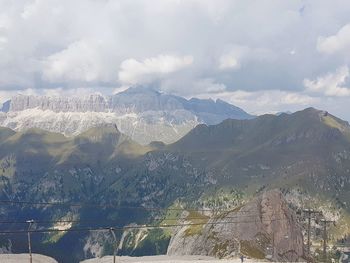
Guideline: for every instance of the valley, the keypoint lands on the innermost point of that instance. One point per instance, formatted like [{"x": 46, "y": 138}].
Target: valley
[{"x": 118, "y": 182}]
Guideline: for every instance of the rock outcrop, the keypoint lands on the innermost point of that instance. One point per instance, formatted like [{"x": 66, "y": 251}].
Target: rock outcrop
[
  {"x": 142, "y": 113},
  {"x": 263, "y": 228}
]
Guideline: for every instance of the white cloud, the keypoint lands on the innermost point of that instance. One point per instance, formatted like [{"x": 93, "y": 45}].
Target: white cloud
[
  {"x": 75, "y": 92},
  {"x": 336, "y": 43},
  {"x": 3, "y": 41},
  {"x": 216, "y": 10},
  {"x": 238, "y": 54},
  {"x": 331, "y": 84},
  {"x": 192, "y": 87},
  {"x": 133, "y": 71},
  {"x": 6, "y": 95},
  {"x": 249, "y": 45},
  {"x": 207, "y": 86},
  {"x": 80, "y": 61},
  {"x": 57, "y": 92},
  {"x": 229, "y": 61},
  {"x": 120, "y": 89},
  {"x": 5, "y": 21},
  {"x": 259, "y": 102},
  {"x": 30, "y": 9}
]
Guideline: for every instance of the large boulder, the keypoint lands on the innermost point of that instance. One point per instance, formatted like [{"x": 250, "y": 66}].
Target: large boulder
[{"x": 263, "y": 228}]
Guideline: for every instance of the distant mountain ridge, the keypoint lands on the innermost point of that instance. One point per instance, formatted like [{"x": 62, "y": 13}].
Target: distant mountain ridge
[{"x": 142, "y": 113}]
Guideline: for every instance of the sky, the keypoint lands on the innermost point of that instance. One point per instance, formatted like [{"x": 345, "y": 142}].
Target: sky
[{"x": 261, "y": 55}]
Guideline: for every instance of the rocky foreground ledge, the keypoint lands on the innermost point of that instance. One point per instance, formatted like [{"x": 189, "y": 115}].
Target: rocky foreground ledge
[
  {"x": 24, "y": 258},
  {"x": 168, "y": 259}
]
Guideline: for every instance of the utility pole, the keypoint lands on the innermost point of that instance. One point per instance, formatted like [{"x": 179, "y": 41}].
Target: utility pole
[
  {"x": 273, "y": 246},
  {"x": 115, "y": 246},
  {"x": 309, "y": 213},
  {"x": 325, "y": 222},
  {"x": 324, "y": 241},
  {"x": 29, "y": 241}
]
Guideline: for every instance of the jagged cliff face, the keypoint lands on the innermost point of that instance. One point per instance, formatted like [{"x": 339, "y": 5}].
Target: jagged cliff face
[
  {"x": 252, "y": 230},
  {"x": 143, "y": 114},
  {"x": 96, "y": 103}
]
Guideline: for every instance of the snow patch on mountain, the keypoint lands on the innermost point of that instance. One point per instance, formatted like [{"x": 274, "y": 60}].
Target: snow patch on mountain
[
  {"x": 143, "y": 128},
  {"x": 143, "y": 114}
]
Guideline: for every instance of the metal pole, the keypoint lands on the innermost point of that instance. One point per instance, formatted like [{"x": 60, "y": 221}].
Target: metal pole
[
  {"x": 29, "y": 241},
  {"x": 325, "y": 240},
  {"x": 308, "y": 233},
  {"x": 310, "y": 213},
  {"x": 115, "y": 243},
  {"x": 273, "y": 246}
]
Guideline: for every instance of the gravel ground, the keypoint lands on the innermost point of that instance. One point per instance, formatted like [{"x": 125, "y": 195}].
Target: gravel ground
[
  {"x": 19, "y": 258},
  {"x": 164, "y": 259},
  {"x": 24, "y": 258}
]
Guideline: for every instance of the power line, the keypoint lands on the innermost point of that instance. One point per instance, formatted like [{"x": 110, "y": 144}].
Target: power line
[
  {"x": 134, "y": 227},
  {"x": 113, "y": 206},
  {"x": 111, "y": 221}
]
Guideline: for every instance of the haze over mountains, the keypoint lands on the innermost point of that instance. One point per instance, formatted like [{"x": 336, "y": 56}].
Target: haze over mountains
[
  {"x": 142, "y": 113},
  {"x": 305, "y": 154}
]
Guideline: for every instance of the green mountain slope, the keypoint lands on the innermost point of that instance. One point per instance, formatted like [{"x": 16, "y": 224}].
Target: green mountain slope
[
  {"x": 272, "y": 149},
  {"x": 40, "y": 166},
  {"x": 305, "y": 154}
]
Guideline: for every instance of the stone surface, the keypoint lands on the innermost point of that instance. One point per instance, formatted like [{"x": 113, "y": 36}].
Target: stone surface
[
  {"x": 24, "y": 258},
  {"x": 264, "y": 227},
  {"x": 168, "y": 259},
  {"x": 142, "y": 113}
]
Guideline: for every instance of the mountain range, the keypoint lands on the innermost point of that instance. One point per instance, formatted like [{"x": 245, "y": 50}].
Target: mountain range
[
  {"x": 306, "y": 155},
  {"x": 142, "y": 113}
]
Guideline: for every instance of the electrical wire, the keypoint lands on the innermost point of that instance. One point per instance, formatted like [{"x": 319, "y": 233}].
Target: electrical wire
[
  {"x": 111, "y": 206},
  {"x": 134, "y": 227},
  {"x": 111, "y": 221}
]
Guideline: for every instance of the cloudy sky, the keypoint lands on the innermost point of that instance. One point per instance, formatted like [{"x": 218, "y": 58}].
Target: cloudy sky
[{"x": 261, "y": 55}]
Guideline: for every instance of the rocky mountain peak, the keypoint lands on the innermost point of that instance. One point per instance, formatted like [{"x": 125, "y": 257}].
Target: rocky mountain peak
[
  {"x": 141, "y": 89},
  {"x": 94, "y": 102},
  {"x": 140, "y": 112}
]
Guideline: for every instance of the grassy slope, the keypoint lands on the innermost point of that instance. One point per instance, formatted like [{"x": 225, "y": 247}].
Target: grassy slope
[{"x": 289, "y": 151}]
